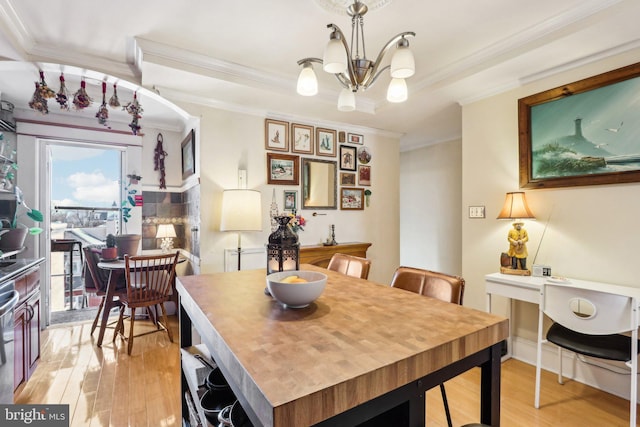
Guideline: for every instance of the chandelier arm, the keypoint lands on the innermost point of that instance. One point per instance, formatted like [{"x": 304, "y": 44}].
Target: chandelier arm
[
  {"x": 373, "y": 79},
  {"x": 352, "y": 74},
  {"x": 344, "y": 81},
  {"x": 383, "y": 52}
]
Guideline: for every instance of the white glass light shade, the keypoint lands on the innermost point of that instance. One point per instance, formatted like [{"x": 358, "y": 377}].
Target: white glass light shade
[
  {"x": 307, "y": 81},
  {"x": 241, "y": 211},
  {"x": 346, "y": 100},
  {"x": 334, "y": 60},
  {"x": 397, "y": 91},
  {"x": 165, "y": 230},
  {"x": 403, "y": 64}
]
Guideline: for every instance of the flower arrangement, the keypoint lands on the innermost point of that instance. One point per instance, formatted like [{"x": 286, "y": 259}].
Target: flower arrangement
[{"x": 297, "y": 222}]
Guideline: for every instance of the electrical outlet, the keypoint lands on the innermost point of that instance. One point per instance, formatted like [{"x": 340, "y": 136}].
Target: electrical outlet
[{"x": 476, "y": 212}]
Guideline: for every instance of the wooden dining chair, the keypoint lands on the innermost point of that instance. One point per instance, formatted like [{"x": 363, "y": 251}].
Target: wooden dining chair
[
  {"x": 350, "y": 265},
  {"x": 149, "y": 284},
  {"x": 442, "y": 286},
  {"x": 96, "y": 281}
]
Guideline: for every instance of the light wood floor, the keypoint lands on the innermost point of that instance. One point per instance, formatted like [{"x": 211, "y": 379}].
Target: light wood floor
[{"x": 105, "y": 387}]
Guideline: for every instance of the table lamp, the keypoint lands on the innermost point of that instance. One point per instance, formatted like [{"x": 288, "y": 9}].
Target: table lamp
[
  {"x": 241, "y": 211},
  {"x": 514, "y": 261},
  {"x": 166, "y": 232}
]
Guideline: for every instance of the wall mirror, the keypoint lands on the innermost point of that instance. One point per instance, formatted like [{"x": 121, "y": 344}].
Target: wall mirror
[{"x": 319, "y": 189}]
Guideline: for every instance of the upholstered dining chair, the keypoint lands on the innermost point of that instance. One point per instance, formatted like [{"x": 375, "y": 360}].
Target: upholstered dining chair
[
  {"x": 442, "y": 286},
  {"x": 591, "y": 323},
  {"x": 350, "y": 265},
  {"x": 95, "y": 283},
  {"x": 149, "y": 284}
]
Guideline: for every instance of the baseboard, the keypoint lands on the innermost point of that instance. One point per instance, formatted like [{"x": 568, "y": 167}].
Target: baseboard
[{"x": 595, "y": 376}]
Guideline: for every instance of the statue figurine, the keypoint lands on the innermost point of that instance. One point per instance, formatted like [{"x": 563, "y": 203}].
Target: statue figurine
[{"x": 518, "y": 239}]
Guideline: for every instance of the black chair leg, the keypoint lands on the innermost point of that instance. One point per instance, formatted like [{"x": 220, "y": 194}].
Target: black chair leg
[{"x": 446, "y": 405}]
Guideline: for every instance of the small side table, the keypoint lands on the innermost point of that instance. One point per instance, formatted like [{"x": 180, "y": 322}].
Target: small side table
[{"x": 67, "y": 245}]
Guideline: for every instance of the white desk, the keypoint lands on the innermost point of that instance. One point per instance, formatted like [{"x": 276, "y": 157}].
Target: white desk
[{"x": 529, "y": 289}]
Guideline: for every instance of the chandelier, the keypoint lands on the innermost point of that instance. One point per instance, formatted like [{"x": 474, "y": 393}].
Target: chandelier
[{"x": 352, "y": 68}]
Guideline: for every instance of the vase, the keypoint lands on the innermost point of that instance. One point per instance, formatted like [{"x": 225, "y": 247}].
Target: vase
[
  {"x": 128, "y": 244},
  {"x": 12, "y": 239}
]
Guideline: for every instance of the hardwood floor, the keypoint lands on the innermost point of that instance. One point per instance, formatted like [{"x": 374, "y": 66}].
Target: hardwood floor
[{"x": 105, "y": 387}]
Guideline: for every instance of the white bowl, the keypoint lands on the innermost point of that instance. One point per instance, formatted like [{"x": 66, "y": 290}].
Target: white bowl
[{"x": 296, "y": 295}]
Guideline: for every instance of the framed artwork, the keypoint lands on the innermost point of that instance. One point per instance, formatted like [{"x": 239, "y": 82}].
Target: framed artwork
[
  {"x": 276, "y": 135},
  {"x": 583, "y": 133},
  {"x": 364, "y": 155},
  {"x": 189, "y": 155},
  {"x": 341, "y": 136},
  {"x": 325, "y": 142},
  {"x": 347, "y": 158},
  {"x": 283, "y": 169},
  {"x": 290, "y": 200},
  {"x": 351, "y": 199},
  {"x": 347, "y": 178},
  {"x": 354, "y": 138},
  {"x": 364, "y": 175},
  {"x": 301, "y": 139}
]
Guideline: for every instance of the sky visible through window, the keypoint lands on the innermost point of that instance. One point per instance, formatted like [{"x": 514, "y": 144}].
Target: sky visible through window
[{"x": 84, "y": 176}]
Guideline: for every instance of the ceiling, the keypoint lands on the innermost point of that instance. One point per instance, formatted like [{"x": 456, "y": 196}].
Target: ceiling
[{"x": 242, "y": 55}]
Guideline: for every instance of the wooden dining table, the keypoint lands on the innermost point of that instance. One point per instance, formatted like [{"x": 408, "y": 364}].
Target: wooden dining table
[{"x": 362, "y": 351}]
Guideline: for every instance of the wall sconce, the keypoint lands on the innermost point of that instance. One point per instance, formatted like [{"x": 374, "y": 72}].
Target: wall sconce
[
  {"x": 166, "y": 232},
  {"x": 514, "y": 261}
]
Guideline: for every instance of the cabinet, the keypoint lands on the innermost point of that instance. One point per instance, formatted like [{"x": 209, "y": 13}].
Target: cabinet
[
  {"x": 27, "y": 326},
  {"x": 320, "y": 255}
]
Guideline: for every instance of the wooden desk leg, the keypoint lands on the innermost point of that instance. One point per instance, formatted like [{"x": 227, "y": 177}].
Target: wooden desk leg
[
  {"x": 490, "y": 388},
  {"x": 185, "y": 326},
  {"x": 108, "y": 303}
]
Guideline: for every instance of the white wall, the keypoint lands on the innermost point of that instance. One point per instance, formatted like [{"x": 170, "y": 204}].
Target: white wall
[
  {"x": 430, "y": 200},
  {"x": 592, "y": 231},
  {"x": 230, "y": 141}
]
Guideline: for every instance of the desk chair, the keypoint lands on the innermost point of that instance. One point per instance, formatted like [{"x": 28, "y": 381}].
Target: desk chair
[
  {"x": 432, "y": 284},
  {"x": 95, "y": 283},
  {"x": 149, "y": 283},
  {"x": 350, "y": 265},
  {"x": 590, "y": 323}
]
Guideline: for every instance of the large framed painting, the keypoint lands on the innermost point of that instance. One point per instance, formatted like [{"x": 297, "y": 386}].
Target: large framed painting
[
  {"x": 188, "y": 147},
  {"x": 283, "y": 169},
  {"x": 583, "y": 133}
]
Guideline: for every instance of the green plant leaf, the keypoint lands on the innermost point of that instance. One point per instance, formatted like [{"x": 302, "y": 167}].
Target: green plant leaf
[
  {"x": 35, "y": 215},
  {"x": 35, "y": 230},
  {"x": 131, "y": 201}
]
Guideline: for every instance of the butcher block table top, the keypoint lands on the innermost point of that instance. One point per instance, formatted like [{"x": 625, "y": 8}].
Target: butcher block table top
[{"x": 357, "y": 341}]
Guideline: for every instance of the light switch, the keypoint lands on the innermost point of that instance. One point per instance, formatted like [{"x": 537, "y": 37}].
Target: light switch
[{"x": 476, "y": 211}]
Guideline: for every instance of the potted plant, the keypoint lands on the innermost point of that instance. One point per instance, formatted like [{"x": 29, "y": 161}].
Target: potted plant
[
  {"x": 110, "y": 252},
  {"x": 128, "y": 243},
  {"x": 13, "y": 233}
]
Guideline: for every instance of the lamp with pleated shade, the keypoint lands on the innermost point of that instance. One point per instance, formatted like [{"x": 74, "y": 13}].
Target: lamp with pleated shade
[{"x": 514, "y": 261}]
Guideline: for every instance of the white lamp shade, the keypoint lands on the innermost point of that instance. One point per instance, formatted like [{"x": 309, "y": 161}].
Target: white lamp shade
[
  {"x": 241, "y": 211},
  {"x": 165, "y": 230},
  {"x": 334, "y": 60},
  {"x": 403, "y": 64},
  {"x": 397, "y": 91},
  {"x": 346, "y": 100},
  {"x": 307, "y": 81}
]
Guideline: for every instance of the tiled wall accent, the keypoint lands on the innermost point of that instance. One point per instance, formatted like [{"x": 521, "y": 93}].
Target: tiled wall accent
[{"x": 180, "y": 209}]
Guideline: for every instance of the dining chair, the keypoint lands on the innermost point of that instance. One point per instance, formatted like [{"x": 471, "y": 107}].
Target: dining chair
[
  {"x": 95, "y": 283},
  {"x": 442, "y": 286},
  {"x": 149, "y": 284},
  {"x": 350, "y": 265},
  {"x": 590, "y": 323}
]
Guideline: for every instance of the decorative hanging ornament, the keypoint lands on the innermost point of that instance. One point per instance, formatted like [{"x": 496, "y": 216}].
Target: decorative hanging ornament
[
  {"x": 81, "y": 99},
  {"x": 113, "y": 101},
  {"x": 135, "y": 109},
  {"x": 38, "y": 102},
  {"x": 62, "y": 97},
  {"x": 103, "y": 112},
  {"x": 46, "y": 91}
]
